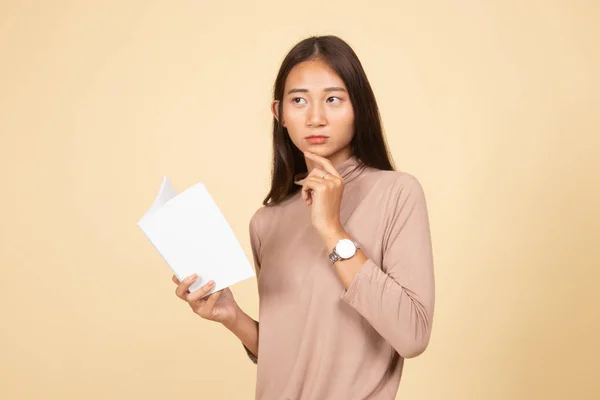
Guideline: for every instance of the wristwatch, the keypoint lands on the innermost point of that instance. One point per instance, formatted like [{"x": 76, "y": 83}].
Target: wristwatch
[{"x": 344, "y": 249}]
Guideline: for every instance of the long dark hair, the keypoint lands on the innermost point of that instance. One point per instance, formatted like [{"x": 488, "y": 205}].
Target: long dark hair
[{"x": 368, "y": 143}]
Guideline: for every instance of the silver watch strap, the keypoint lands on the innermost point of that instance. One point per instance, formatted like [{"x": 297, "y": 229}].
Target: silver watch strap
[{"x": 333, "y": 257}]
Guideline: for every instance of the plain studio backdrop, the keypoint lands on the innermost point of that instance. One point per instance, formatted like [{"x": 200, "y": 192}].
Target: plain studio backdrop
[{"x": 493, "y": 105}]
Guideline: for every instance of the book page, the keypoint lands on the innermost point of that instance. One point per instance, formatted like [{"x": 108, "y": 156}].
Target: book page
[
  {"x": 165, "y": 193},
  {"x": 193, "y": 236}
]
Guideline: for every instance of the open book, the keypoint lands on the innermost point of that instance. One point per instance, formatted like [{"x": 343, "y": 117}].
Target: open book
[{"x": 192, "y": 235}]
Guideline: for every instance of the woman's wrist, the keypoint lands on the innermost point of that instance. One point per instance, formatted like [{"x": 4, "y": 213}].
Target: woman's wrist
[
  {"x": 237, "y": 321},
  {"x": 331, "y": 237},
  {"x": 245, "y": 328},
  {"x": 232, "y": 321}
]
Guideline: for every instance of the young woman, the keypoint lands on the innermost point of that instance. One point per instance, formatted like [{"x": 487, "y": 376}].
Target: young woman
[{"x": 341, "y": 244}]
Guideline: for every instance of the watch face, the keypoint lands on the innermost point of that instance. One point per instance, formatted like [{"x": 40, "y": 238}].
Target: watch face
[{"x": 345, "y": 248}]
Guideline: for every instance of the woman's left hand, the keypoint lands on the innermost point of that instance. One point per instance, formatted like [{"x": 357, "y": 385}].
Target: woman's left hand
[{"x": 322, "y": 189}]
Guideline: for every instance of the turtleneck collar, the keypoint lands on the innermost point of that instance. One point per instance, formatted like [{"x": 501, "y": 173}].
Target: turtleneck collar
[{"x": 350, "y": 169}]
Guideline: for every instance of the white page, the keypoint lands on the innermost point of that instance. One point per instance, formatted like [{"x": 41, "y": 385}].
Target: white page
[
  {"x": 166, "y": 193},
  {"x": 193, "y": 236}
]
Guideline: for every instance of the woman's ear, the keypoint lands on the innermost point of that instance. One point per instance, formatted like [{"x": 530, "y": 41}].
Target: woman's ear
[{"x": 275, "y": 111}]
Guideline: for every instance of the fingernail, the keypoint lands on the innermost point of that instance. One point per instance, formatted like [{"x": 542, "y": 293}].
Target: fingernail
[{"x": 192, "y": 277}]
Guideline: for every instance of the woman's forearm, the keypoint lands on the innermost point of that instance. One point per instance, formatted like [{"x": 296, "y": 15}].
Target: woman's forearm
[{"x": 246, "y": 329}]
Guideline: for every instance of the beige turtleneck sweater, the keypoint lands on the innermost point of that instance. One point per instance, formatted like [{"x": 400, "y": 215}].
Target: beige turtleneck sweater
[{"x": 318, "y": 341}]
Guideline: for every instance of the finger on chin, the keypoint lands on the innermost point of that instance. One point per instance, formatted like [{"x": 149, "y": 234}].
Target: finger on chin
[
  {"x": 323, "y": 162},
  {"x": 316, "y": 171}
]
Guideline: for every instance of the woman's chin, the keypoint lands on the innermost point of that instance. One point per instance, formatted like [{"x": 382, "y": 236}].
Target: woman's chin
[{"x": 319, "y": 149}]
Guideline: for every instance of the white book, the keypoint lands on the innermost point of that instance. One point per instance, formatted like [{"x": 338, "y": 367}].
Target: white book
[{"x": 192, "y": 235}]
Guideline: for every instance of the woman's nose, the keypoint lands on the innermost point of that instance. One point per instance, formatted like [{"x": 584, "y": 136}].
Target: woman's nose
[{"x": 316, "y": 116}]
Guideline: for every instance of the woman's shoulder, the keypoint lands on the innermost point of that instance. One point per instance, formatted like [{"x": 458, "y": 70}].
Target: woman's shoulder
[
  {"x": 257, "y": 220},
  {"x": 393, "y": 191},
  {"x": 261, "y": 217},
  {"x": 395, "y": 181}
]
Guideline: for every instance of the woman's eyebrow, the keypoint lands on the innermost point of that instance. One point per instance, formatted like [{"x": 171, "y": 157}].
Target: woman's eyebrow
[{"x": 329, "y": 89}]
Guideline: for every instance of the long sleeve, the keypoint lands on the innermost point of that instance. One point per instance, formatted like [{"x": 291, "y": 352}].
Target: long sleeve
[
  {"x": 255, "y": 247},
  {"x": 397, "y": 298}
]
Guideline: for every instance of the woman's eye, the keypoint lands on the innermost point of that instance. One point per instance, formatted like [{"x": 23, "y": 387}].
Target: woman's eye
[
  {"x": 298, "y": 100},
  {"x": 336, "y": 98}
]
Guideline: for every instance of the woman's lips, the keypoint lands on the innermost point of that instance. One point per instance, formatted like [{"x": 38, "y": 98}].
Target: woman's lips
[{"x": 317, "y": 139}]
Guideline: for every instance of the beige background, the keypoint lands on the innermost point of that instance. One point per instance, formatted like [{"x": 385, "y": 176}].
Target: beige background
[{"x": 493, "y": 105}]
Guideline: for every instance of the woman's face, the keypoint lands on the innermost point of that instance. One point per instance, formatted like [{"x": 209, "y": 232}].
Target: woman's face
[{"x": 317, "y": 111}]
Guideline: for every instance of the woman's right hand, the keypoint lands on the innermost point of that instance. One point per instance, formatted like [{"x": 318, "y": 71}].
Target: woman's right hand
[{"x": 219, "y": 306}]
